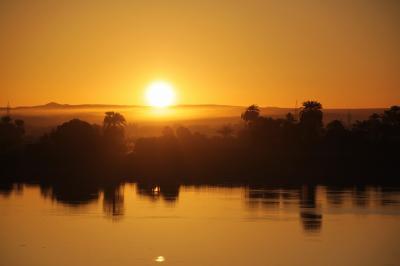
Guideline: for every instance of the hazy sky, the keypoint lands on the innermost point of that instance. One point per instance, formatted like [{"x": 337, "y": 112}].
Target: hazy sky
[{"x": 342, "y": 53}]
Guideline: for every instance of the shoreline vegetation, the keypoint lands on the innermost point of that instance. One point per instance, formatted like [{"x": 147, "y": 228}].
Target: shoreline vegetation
[{"x": 290, "y": 151}]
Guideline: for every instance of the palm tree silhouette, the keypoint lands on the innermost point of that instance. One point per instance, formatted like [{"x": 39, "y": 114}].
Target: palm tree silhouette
[
  {"x": 113, "y": 120},
  {"x": 311, "y": 105},
  {"x": 311, "y": 120},
  {"x": 251, "y": 114},
  {"x": 311, "y": 114}
]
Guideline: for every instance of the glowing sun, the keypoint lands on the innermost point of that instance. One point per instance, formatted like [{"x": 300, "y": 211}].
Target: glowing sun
[{"x": 160, "y": 94}]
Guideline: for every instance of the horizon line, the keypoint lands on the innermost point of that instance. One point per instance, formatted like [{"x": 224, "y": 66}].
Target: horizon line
[{"x": 56, "y": 105}]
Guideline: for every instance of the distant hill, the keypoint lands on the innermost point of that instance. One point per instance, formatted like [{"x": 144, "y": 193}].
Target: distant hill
[
  {"x": 266, "y": 110},
  {"x": 54, "y": 105}
]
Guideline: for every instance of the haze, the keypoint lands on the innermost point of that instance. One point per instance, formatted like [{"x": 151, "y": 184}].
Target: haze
[{"x": 341, "y": 53}]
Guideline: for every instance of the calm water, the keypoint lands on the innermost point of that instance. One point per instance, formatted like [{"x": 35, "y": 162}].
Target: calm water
[{"x": 132, "y": 225}]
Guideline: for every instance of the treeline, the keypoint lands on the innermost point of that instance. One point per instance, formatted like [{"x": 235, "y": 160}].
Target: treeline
[{"x": 263, "y": 149}]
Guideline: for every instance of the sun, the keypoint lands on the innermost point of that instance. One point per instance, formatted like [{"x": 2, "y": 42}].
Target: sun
[{"x": 160, "y": 94}]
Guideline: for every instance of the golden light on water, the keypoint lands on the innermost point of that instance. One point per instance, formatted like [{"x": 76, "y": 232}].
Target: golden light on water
[
  {"x": 156, "y": 190},
  {"x": 160, "y": 94},
  {"x": 160, "y": 259}
]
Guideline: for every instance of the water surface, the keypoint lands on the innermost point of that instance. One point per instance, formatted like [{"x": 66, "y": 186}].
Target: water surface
[{"x": 184, "y": 225}]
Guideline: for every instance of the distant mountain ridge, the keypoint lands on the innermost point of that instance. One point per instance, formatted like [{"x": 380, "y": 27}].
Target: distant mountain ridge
[{"x": 55, "y": 105}]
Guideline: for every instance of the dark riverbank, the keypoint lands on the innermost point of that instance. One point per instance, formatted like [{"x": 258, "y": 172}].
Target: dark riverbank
[{"x": 294, "y": 150}]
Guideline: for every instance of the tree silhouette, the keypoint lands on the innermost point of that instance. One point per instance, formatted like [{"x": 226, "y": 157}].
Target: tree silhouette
[
  {"x": 290, "y": 118},
  {"x": 183, "y": 133},
  {"x": 6, "y": 119},
  {"x": 113, "y": 119},
  {"x": 251, "y": 114},
  {"x": 11, "y": 134},
  {"x": 114, "y": 134},
  {"x": 311, "y": 119},
  {"x": 20, "y": 125},
  {"x": 335, "y": 130},
  {"x": 74, "y": 138},
  {"x": 225, "y": 131},
  {"x": 311, "y": 113},
  {"x": 392, "y": 116},
  {"x": 335, "y": 125},
  {"x": 265, "y": 148}
]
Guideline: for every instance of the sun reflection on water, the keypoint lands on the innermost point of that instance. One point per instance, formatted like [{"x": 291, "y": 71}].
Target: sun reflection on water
[
  {"x": 160, "y": 259},
  {"x": 156, "y": 190}
]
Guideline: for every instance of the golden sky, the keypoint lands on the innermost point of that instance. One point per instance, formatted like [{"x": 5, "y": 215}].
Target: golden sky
[{"x": 342, "y": 53}]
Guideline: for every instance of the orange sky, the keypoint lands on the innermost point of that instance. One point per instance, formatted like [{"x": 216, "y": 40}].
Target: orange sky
[{"x": 343, "y": 53}]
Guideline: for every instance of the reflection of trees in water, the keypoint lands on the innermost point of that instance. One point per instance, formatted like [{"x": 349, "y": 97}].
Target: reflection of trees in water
[
  {"x": 74, "y": 194},
  {"x": 79, "y": 194},
  {"x": 6, "y": 189},
  {"x": 335, "y": 195},
  {"x": 389, "y": 196},
  {"x": 360, "y": 196},
  {"x": 305, "y": 197},
  {"x": 311, "y": 220},
  {"x": 308, "y": 200},
  {"x": 309, "y": 213},
  {"x": 363, "y": 196},
  {"x": 113, "y": 201},
  {"x": 270, "y": 198},
  {"x": 70, "y": 194},
  {"x": 167, "y": 192}
]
